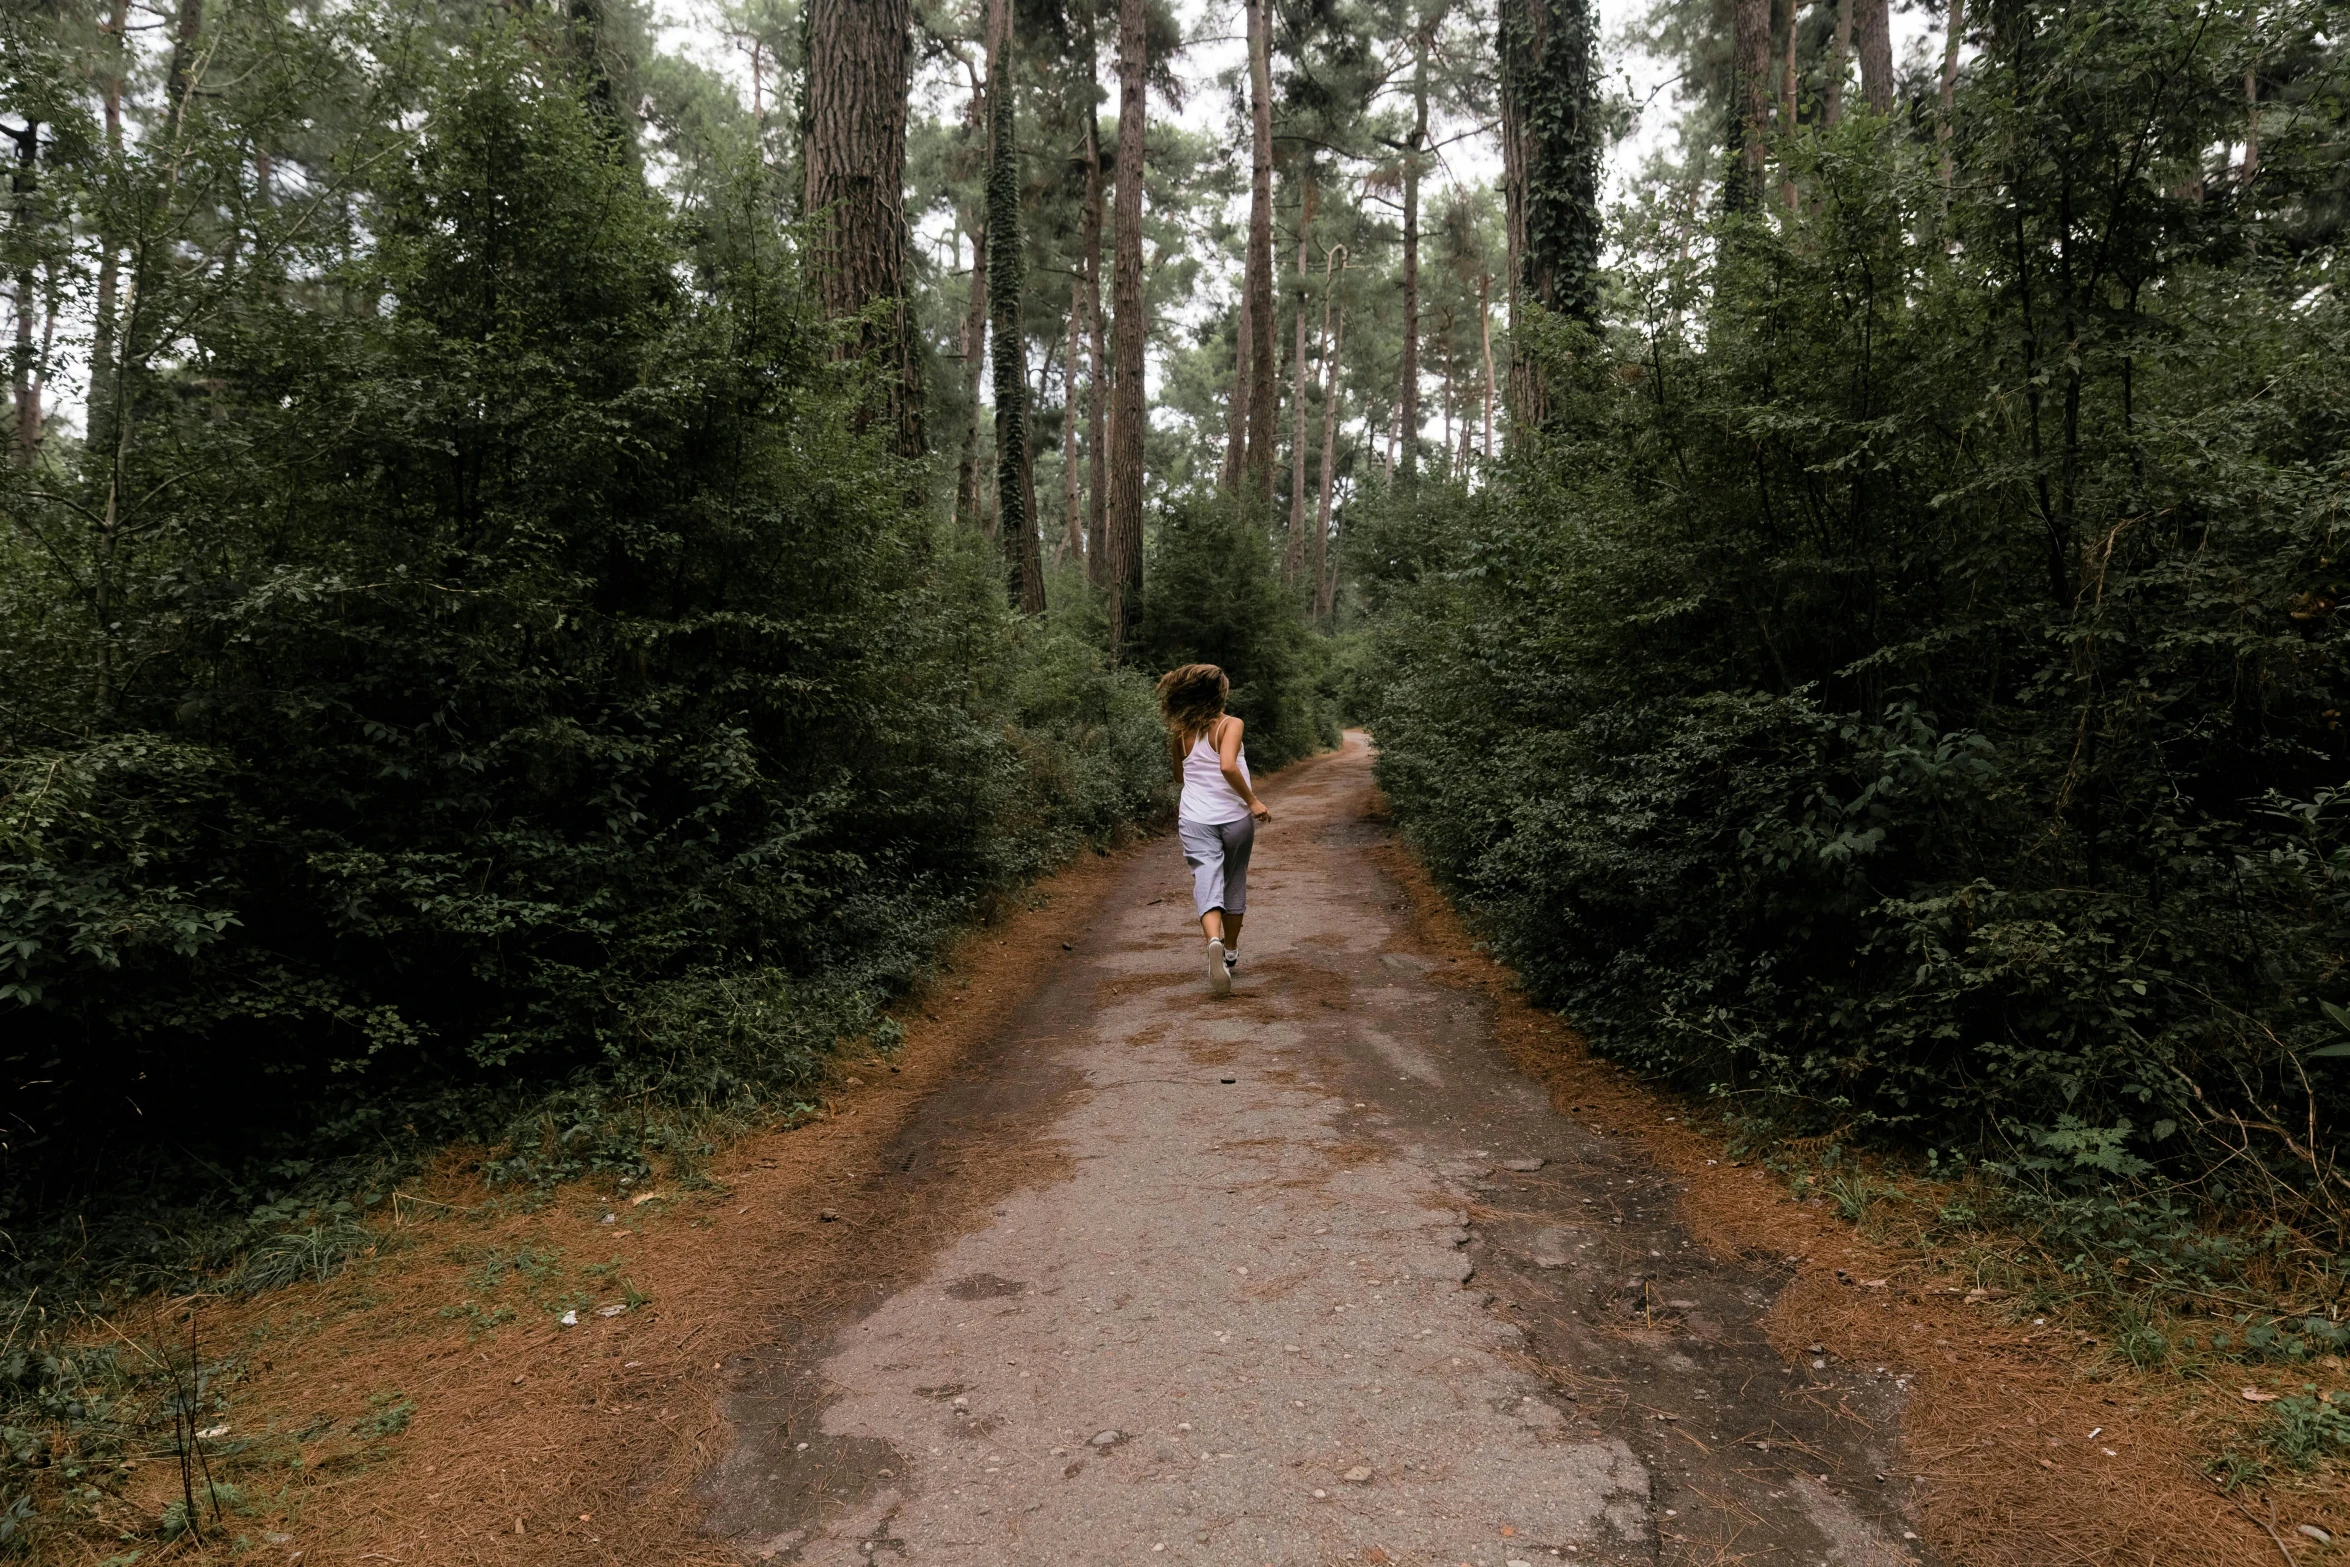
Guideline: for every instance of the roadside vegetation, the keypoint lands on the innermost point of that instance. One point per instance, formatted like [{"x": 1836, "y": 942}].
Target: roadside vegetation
[
  {"x": 1897, "y": 697},
  {"x": 536, "y": 595}
]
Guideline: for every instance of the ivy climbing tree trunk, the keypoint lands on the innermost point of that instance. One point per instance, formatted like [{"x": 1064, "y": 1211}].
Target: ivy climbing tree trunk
[
  {"x": 967, "y": 485},
  {"x": 1126, "y": 415},
  {"x": 968, "y": 490},
  {"x": 1550, "y": 143},
  {"x": 854, "y": 153},
  {"x": 1263, "y": 385},
  {"x": 1788, "y": 119},
  {"x": 111, "y": 81},
  {"x": 1072, "y": 490},
  {"x": 1954, "y": 34},
  {"x": 1007, "y": 353},
  {"x": 1408, "y": 377},
  {"x": 1290, "y": 558},
  {"x": 22, "y": 179}
]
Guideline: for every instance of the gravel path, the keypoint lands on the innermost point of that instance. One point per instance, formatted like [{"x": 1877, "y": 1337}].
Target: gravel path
[{"x": 1307, "y": 1275}]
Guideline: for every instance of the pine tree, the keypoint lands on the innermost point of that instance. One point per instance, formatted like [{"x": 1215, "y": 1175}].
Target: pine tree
[
  {"x": 1264, "y": 387},
  {"x": 854, "y": 148},
  {"x": 1124, "y": 523},
  {"x": 1550, "y": 146},
  {"x": 1007, "y": 348}
]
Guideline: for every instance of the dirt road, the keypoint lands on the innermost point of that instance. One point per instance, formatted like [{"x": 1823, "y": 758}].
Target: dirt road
[{"x": 1306, "y": 1275}]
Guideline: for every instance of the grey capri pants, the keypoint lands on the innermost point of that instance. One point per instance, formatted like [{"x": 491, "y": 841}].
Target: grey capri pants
[{"x": 1217, "y": 853}]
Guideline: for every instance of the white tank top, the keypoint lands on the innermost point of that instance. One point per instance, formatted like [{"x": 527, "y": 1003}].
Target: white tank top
[{"x": 1206, "y": 795}]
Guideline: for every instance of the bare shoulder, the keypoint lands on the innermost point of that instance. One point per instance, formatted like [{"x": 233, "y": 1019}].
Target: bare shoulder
[{"x": 1229, "y": 727}]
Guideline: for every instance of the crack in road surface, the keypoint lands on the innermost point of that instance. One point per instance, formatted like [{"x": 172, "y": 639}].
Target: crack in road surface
[{"x": 1306, "y": 1275}]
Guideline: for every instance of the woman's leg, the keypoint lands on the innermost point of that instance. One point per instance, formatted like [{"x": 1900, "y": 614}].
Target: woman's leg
[
  {"x": 1239, "y": 839},
  {"x": 1204, "y": 851},
  {"x": 1211, "y": 925}
]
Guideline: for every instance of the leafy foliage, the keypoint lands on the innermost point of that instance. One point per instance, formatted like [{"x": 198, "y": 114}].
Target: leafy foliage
[
  {"x": 1904, "y": 695},
  {"x": 515, "y": 674},
  {"x": 1217, "y": 597}
]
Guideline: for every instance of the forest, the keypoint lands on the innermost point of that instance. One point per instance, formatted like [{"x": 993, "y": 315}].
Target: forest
[{"x": 550, "y": 558}]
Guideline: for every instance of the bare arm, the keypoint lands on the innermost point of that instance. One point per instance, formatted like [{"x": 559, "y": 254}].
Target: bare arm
[{"x": 1228, "y": 759}]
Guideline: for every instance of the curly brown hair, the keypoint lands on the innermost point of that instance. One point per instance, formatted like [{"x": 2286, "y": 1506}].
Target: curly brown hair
[{"x": 1191, "y": 699}]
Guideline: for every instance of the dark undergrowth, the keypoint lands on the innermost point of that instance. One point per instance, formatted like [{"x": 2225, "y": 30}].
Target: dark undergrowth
[{"x": 1918, "y": 732}]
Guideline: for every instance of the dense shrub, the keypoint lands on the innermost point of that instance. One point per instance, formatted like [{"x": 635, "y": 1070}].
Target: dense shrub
[
  {"x": 1880, "y": 708},
  {"x": 521, "y": 676},
  {"x": 1216, "y": 596}
]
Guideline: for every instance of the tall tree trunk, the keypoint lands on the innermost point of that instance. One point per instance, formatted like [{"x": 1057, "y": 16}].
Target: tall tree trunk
[
  {"x": 1031, "y": 401},
  {"x": 1236, "y": 412},
  {"x": 1297, "y": 395},
  {"x": 1317, "y": 554},
  {"x": 854, "y": 154},
  {"x": 1072, "y": 493},
  {"x": 1788, "y": 113},
  {"x": 100, "y": 419},
  {"x": 1333, "y": 335},
  {"x": 1096, "y": 383},
  {"x": 1448, "y": 388},
  {"x": 1750, "y": 103},
  {"x": 1126, "y": 415},
  {"x": 1944, "y": 125},
  {"x": 1839, "y": 61},
  {"x": 1485, "y": 332},
  {"x": 1550, "y": 144},
  {"x": 588, "y": 24},
  {"x": 28, "y": 392},
  {"x": 1263, "y": 387},
  {"x": 1007, "y": 349},
  {"x": 1408, "y": 383},
  {"x": 187, "y": 27},
  {"x": 969, "y": 507},
  {"x": 1874, "y": 27},
  {"x": 2251, "y": 165},
  {"x": 967, "y": 486}
]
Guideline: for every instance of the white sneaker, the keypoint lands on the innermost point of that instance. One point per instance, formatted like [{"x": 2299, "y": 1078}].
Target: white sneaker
[{"x": 1219, "y": 977}]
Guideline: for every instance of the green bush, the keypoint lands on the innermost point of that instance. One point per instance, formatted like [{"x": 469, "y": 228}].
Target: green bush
[
  {"x": 1870, "y": 710},
  {"x": 525, "y": 691},
  {"x": 1216, "y": 596}
]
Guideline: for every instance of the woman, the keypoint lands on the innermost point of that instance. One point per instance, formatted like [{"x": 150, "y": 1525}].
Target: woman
[{"x": 1217, "y": 819}]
